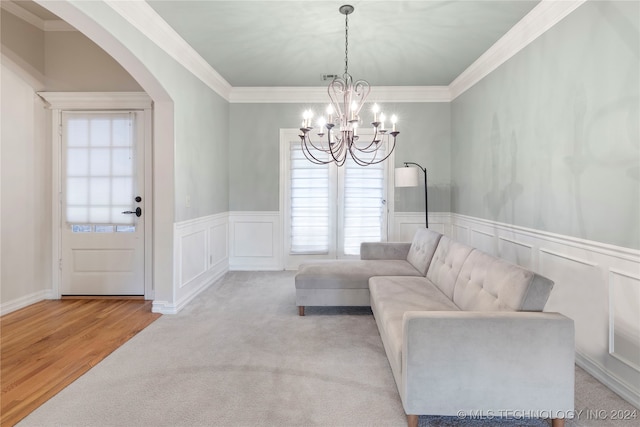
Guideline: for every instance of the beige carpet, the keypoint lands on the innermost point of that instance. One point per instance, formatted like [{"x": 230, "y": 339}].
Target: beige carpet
[{"x": 239, "y": 355}]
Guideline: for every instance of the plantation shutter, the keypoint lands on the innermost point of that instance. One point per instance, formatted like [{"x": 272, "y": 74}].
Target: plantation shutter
[{"x": 363, "y": 204}]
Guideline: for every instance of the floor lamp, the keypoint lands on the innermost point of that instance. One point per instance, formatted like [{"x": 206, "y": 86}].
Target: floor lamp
[{"x": 408, "y": 177}]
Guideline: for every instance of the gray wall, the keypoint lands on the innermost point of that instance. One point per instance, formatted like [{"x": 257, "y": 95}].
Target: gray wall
[
  {"x": 201, "y": 151},
  {"x": 254, "y": 152},
  {"x": 550, "y": 140}
]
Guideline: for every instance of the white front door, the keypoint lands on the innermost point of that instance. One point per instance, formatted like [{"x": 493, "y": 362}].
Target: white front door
[{"x": 102, "y": 203}]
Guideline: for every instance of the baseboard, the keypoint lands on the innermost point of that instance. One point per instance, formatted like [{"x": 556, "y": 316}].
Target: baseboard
[
  {"x": 18, "y": 303},
  {"x": 614, "y": 383},
  {"x": 164, "y": 307},
  {"x": 213, "y": 276}
]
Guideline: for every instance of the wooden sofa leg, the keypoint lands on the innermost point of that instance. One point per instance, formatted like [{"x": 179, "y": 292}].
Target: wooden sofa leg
[
  {"x": 557, "y": 422},
  {"x": 301, "y": 310},
  {"x": 412, "y": 421}
]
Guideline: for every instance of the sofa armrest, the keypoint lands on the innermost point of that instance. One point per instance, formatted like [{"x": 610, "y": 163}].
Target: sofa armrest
[
  {"x": 488, "y": 361},
  {"x": 384, "y": 250}
]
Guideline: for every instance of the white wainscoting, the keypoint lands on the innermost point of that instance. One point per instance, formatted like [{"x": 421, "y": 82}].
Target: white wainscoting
[
  {"x": 200, "y": 258},
  {"x": 255, "y": 241},
  {"x": 597, "y": 285},
  {"x": 403, "y": 225}
]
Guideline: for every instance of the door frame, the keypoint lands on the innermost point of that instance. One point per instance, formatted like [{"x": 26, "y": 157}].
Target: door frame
[{"x": 57, "y": 102}]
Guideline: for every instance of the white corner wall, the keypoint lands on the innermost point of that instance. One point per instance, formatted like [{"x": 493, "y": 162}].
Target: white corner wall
[{"x": 25, "y": 194}]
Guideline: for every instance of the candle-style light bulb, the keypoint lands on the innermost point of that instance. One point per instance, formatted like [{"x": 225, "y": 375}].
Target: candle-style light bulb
[
  {"x": 321, "y": 123},
  {"x": 330, "y": 113},
  {"x": 354, "y": 108},
  {"x": 394, "y": 120},
  {"x": 376, "y": 110},
  {"x": 382, "y": 119},
  {"x": 310, "y": 114},
  {"x": 355, "y": 129}
]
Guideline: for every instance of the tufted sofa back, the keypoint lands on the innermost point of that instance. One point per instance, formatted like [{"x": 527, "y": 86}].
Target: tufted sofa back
[
  {"x": 422, "y": 249},
  {"x": 486, "y": 283},
  {"x": 446, "y": 264}
]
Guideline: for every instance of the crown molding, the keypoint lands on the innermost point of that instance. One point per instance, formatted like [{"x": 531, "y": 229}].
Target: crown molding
[
  {"x": 36, "y": 21},
  {"x": 257, "y": 95},
  {"x": 540, "y": 19},
  {"x": 142, "y": 16}
]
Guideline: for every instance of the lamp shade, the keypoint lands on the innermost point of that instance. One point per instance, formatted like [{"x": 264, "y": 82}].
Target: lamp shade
[{"x": 407, "y": 177}]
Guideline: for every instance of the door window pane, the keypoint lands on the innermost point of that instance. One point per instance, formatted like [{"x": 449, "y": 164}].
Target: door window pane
[{"x": 99, "y": 159}]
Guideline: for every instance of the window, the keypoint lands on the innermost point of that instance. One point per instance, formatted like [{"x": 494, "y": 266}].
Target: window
[{"x": 328, "y": 210}]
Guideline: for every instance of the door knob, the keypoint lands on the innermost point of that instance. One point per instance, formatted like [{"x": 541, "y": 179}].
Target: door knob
[{"x": 138, "y": 212}]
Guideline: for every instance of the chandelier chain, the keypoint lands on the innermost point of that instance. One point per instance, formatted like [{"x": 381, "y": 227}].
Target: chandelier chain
[{"x": 346, "y": 44}]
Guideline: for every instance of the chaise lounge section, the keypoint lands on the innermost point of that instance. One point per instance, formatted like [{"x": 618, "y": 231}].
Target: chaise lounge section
[{"x": 463, "y": 331}]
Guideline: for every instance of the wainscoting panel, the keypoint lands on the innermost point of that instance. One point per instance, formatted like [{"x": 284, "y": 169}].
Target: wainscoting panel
[
  {"x": 200, "y": 258},
  {"x": 516, "y": 252},
  {"x": 218, "y": 244},
  {"x": 256, "y": 241},
  {"x": 484, "y": 241},
  {"x": 624, "y": 317},
  {"x": 403, "y": 225},
  {"x": 193, "y": 254},
  {"x": 597, "y": 285}
]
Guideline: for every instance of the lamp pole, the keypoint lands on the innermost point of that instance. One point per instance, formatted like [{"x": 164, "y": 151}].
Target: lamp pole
[{"x": 426, "y": 203}]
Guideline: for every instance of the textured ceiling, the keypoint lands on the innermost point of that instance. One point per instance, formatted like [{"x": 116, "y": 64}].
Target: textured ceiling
[{"x": 293, "y": 43}]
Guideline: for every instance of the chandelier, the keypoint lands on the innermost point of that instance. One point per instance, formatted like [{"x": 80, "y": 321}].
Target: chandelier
[{"x": 340, "y": 126}]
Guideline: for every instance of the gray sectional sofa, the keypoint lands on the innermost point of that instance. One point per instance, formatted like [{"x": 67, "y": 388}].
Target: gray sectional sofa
[{"x": 464, "y": 331}]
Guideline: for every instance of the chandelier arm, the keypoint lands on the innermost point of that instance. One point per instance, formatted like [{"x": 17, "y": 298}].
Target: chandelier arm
[
  {"x": 307, "y": 153},
  {"x": 388, "y": 154},
  {"x": 374, "y": 140},
  {"x": 339, "y": 155},
  {"x": 368, "y": 149},
  {"x": 373, "y": 161},
  {"x": 310, "y": 142}
]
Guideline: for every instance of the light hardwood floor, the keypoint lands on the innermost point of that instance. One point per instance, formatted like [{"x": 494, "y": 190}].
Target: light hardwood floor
[{"x": 48, "y": 345}]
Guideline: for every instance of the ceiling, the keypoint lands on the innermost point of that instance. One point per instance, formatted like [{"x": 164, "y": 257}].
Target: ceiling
[{"x": 293, "y": 43}]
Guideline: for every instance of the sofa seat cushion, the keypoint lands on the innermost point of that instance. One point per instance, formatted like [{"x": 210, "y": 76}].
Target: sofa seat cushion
[
  {"x": 349, "y": 274},
  {"x": 391, "y": 297}
]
